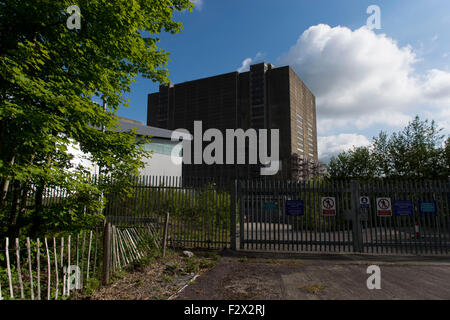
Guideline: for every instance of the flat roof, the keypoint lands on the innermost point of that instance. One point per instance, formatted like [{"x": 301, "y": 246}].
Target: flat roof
[{"x": 144, "y": 130}]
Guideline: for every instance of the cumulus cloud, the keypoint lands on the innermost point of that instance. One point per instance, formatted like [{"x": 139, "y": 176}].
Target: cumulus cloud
[
  {"x": 436, "y": 86},
  {"x": 361, "y": 79},
  {"x": 332, "y": 145},
  {"x": 245, "y": 66}
]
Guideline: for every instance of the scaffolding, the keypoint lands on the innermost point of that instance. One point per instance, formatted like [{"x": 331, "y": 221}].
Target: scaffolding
[{"x": 304, "y": 168}]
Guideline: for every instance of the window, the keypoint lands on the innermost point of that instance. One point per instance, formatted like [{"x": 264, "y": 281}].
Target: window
[{"x": 162, "y": 146}]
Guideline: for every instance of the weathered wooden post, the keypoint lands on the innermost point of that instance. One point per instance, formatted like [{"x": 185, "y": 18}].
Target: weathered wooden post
[{"x": 106, "y": 253}]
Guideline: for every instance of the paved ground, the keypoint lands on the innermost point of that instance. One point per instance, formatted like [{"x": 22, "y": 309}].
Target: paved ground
[{"x": 251, "y": 276}]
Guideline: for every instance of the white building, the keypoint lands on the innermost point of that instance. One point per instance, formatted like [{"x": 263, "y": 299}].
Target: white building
[{"x": 166, "y": 157}]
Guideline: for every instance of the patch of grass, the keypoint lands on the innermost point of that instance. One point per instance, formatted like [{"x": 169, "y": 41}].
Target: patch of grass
[
  {"x": 243, "y": 259},
  {"x": 173, "y": 268},
  {"x": 207, "y": 263},
  {"x": 314, "y": 289},
  {"x": 92, "y": 286},
  {"x": 195, "y": 264},
  {"x": 118, "y": 274}
]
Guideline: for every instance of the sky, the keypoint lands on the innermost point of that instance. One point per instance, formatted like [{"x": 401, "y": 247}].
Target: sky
[{"x": 365, "y": 80}]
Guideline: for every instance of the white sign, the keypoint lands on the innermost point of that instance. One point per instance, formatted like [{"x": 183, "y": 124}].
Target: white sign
[
  {"x": 384, "y": 207},
  {"x": 328, "y": 206}
]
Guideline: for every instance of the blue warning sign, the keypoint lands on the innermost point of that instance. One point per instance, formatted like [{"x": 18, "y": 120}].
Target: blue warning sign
[
  {"x": 294, "y": 208},
  {"x": 427, "y": 209},
  {"x": 364, "y": 202},
  {"x": 270, "y": 206},
  {"x": 403, "y": 208}
]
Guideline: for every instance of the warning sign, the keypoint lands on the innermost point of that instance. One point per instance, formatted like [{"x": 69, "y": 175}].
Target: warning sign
[
  {"x": 364, "y": 202},
  {"x": 384, "y": 207},
  {"x": 328, "y": 206},
  {"x": 427, "y": 209},
  {"x": 294, "y": 208}
]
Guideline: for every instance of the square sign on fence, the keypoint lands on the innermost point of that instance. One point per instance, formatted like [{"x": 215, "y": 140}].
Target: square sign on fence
[
  {"x": 427, "y": 209},
  {"x": 328, "y": 205},
  {"x": 384, "y": 207},
  {"x": 364, "y": 202},
  {"x": 294, "y": 208},
  {"x": 403, "y": 208},
  {"x": 270, "y": 206}
]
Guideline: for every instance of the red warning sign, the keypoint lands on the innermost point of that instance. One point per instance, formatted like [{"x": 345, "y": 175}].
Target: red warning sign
[
  {"x": 328, "y": 206},
  {"x": 384, "y": 207}
]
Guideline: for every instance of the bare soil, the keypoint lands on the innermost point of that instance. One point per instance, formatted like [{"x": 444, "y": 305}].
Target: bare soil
[{"x": 157, "y": 279}]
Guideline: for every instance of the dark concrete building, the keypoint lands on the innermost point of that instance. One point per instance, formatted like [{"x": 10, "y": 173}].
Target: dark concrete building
[{"x": 263, "y": 98}]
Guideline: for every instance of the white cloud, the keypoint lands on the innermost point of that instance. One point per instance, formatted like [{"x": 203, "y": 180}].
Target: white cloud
[
  {"x": 436, "y": 86},
  {"x": 245, "y": 66},
  {"x": 332, "y": 145},
  {"x": 362, "y": 79}
]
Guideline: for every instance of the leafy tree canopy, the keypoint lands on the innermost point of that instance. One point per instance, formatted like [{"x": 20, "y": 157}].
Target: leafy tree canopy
[
  {"x": 51, "y": 76},
  {"x": 417, "y": 151}
]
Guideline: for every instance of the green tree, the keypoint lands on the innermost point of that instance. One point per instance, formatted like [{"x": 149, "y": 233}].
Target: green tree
[
  {"x": 415, "y": 152},
  {"x": 50, "y": 78},
  {"x": 353, "y": 163}
]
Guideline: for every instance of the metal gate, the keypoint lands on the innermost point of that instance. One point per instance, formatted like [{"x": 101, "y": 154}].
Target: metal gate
[{"x": 331, "y": 216}]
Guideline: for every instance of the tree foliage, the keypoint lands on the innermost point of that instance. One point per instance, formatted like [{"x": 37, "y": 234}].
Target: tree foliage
[
  {"x": 51, "y": 77},
  {"x": 417, "y": 151}
]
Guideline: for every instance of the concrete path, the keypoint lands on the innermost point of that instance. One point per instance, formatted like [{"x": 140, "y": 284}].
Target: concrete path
[{"x": 255, "y": 276}]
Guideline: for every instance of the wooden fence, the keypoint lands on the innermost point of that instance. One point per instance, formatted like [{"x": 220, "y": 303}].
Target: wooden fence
[
  {"x": 130, "y": 244},
  {"x": 53, "y": 268},
  {"x": 47, "y": 268}
]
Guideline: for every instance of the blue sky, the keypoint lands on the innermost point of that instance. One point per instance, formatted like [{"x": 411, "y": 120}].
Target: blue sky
[{"x": 410, "y": 55}]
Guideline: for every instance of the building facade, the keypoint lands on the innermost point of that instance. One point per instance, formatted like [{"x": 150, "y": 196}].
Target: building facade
[
  {"x": 264, "y": 97},
  {"x": 165, "y": 159}
]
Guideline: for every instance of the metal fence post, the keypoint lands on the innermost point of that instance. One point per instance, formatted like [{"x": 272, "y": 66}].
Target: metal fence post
[
  {"x": 106, "y": 253},
  {"x": 356, "y": 221},
  {"x": 166, "y": 230},
  {"x": 233, "y": 220},
  {"x": 242, "y": 207}
]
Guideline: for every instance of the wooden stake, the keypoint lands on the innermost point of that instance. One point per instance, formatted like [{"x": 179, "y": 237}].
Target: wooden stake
[
  {"x": 67, "y": 269},
  {"x": 30, "y": 269},
  {"x": 89, "y": 257},
  {"x": 19, "y": 270},
  {"x": 49, "y": 275},
  {"x": 56, "y": 269},
  {"x": 38, "y": 270},
  {"x": 8, "y": 266},
  {"x": 106, "y": 253}
]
